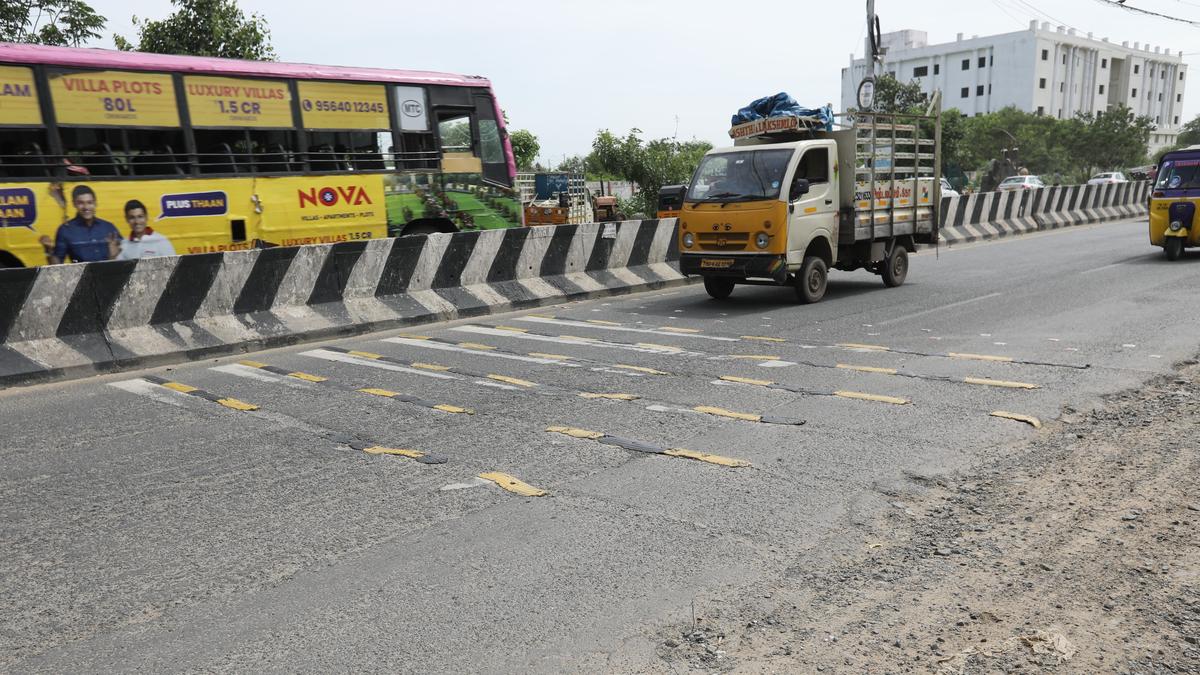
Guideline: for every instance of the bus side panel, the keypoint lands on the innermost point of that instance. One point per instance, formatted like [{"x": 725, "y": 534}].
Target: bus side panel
[{"x": 301, "y": 210}]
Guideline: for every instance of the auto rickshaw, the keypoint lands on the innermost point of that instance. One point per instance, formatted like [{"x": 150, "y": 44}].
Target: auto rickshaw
[{"x": 1173, "y": 202}]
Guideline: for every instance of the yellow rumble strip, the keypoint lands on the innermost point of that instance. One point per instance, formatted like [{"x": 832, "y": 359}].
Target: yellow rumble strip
[
  {"x": 651, "y": 345},
  {"x": 557, "y": 357},
  {"x": 236, "y": 404},
  {"x": 512, "y": 380},
  {"x": 453, "y": 409},
  {"x": 641, "y": 369},
  {"x": 1000, "y": 383},
  {"x": 431, "y": 366},
  {"x": 399, "y": 452},
  {"x": 576, "y": 433},
  {"x": 872, "y": 397},
  {"x": 475, "y": 345},
  {"x": 747, "y": 380},
  {"x": 513, "y": 484},
  {"x": 980, "y": 357},
  {"x": 705, "y": 457},
  {"x": 379, "y": 392},
  {"x": 179, "y": 387},
  {"x": 868, "y": 369},
  {"x": 512, "y": 329},
  {"x": 674, "y": 329},
  {"x": 611, "y": 397},
  {"x": 761, "y": 338},
  {"x": 721, "y": 412},
  {"x": 598, "y": 322},
  {"x": 188, "y": 389},
  {"x": 754, "y": 357},
  {"x": 365, "y": 355},
  {"x": 855, "y": 345},
  {"x": 1027, "y": 419}
]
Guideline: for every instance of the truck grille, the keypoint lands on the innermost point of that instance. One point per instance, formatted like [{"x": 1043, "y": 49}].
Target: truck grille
[{"x": 723, "y": 241}]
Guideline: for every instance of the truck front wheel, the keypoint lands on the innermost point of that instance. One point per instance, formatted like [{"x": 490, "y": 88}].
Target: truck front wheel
[
  {"x": 895, "y": 268},
  {"x": 812, "y": 280},
  {"x": 718, "y": 287}
]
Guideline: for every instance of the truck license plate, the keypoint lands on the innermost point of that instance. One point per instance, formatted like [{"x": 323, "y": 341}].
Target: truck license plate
[{"x": 711, "y": 264}]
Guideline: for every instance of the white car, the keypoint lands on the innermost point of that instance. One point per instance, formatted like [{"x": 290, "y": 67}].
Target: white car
[
  {"x": 1111, "y": 177},
  {"x": 1020, "y": 183}
]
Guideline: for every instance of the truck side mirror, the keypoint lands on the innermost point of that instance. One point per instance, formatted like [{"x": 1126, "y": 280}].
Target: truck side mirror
[{"x": 799, "y": 189}]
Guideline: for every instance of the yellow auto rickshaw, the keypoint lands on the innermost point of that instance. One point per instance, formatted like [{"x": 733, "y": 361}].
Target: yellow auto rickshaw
[{"x": 1173, "y": 202}]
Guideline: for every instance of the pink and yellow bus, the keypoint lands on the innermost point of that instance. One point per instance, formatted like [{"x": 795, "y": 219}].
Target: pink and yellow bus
[{"x": 229, "y": 154}]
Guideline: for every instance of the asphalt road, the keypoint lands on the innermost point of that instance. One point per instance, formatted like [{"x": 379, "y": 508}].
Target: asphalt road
[{"x": 147, "y": 527}]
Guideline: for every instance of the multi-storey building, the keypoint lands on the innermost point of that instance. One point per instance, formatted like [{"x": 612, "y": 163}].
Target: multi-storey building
[{"x": 1048, "y": 72}]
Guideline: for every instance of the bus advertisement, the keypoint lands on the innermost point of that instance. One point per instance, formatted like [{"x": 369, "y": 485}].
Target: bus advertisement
[{"x": 220, "y": 154}]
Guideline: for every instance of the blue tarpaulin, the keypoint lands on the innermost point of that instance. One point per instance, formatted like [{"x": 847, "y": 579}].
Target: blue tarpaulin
[{"x": 782, "y": 105}]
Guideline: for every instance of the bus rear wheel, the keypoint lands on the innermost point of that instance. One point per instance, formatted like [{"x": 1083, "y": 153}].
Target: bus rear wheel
[
  {"x": 719, "y": 288},
  {"x": 1174, "y": 248}
]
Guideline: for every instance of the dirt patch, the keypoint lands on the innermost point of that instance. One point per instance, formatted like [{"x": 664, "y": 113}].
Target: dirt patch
[{"x": 1077, "y": 552}]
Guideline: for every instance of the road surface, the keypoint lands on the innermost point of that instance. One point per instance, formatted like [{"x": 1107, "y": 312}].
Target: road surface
[{"x": 264, "y": 521}]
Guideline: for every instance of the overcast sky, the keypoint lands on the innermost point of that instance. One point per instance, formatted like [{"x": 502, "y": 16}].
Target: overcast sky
[{"x": 566, "y": 69}]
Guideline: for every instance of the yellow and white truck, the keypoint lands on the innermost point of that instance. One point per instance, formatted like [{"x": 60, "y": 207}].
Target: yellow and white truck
[{"x": 791, "y": 200}]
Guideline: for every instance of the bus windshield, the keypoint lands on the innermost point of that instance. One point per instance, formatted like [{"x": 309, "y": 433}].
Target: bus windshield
[
  {"x": 1179, "y": 172},
  {"x": 740, "y": 176}
]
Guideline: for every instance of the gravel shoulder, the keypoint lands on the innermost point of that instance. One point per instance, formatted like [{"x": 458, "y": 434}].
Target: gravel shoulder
[{"x": 1076, "y": 551}]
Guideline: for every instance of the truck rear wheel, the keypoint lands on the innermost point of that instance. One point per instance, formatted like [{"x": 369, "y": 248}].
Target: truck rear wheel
[
  {"x": 812, "y": 280},
  {"x": 895, "y": 267},
  {"x": 719, "y": 288}
]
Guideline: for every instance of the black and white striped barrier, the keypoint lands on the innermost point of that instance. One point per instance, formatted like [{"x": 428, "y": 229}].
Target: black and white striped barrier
[
  {"x": 994, "y": 215},
  {"x": 69, "y": 320}
]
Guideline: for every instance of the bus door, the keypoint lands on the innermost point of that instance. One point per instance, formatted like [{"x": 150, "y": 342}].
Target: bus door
[{"x": 491, "y": 142}]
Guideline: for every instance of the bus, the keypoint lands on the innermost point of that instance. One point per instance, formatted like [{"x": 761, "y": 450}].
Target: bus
[{"x": 228, "y": 154}]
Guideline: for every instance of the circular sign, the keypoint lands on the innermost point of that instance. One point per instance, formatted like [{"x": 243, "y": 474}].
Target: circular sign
[
  {"x": 328, "y": 196},
  {"x": 866, "y": 93},
  {"x": 412, "y": 108}
]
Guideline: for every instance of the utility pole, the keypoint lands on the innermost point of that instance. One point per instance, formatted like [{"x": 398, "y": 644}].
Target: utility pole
[{"x": 866, "y": 88}]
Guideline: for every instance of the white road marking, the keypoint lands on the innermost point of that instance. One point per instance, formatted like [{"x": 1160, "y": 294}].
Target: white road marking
[
  {"x": 373, "y": 363},
  {"x": 773, "y": 363},
  {"x": 939, "y": 308},
  {"x": 441, "y": 346},
  {"x": 260, "y": 375},
  {"x": 578, "y": 342},
  {"x": 623, "y": 329}
]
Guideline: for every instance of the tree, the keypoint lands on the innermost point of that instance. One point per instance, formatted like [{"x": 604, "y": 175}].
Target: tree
[
  {"x": 1110, "y": 139},
  {"x": 65, "y": 23},
  {"x": 1190, "y": 134},
  {"x": 204, "y": 28},
  {"x": 650, "y": 165},
  {"x": 525, "y": 148},
  {"x": 896, "y": 97}
]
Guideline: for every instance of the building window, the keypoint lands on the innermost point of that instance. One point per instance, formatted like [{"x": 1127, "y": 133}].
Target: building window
[
  {"x": 1102, "y": 89},
  {"x": 1179, "y": 98},
  {"x": 937, "y": 68},
  {"x": 989, "y": 90},
  {"x": 1136, "y": 69},
  {"x": 1181, "y": 76},
  {"x": 1160, "y": 96},
  {"x": 1042, "y": 83},
  {"x": 966, "y": 64},
  {"x": 1045, "y": 54},
  {"x": 1064, "y": 59},
  {"x": 979, "y": 90},
  {"x": 1041, "y": 110},
  {"x": 1177, "y": 120},
  {"x": 991, "y": 60},
  {"x": 892, "y": 74},
  {"x": 920, "y": 71},
  {"x": 966, "y": 91},
  {"x": 1163, "y": 76},
  {"x": 1134, "y": 94},
  {"x": 1103, "y": 63},
  {"x": 1158, "y": 120},
  {"x": 1062, "y": 86},
  {"x": 1060, "y": 113},
  {"x": 982, "y": 61}
]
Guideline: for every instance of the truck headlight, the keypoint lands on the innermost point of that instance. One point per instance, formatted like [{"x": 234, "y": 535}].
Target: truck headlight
[
  {"x": 688, "y": 240},
  {"x": 1176, "y": 226},
  {"x": 763, "y": 240}
]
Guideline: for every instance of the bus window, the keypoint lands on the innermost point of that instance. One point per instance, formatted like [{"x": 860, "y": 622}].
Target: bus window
[
  {"x": 244, "y": 151},
  {"x": 455, "y": 133},
  {"x": 345, "y": 151},
  {"x": 105, "y": 151},
  {"x": 22, "y": 154},
  {"x": 417, "y": 151},
  {"x": 491, "y": 144}
]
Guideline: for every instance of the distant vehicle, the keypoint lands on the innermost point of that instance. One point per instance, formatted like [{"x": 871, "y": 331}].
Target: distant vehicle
[
  {"x": 1111, "y": 177},
  {"x": 948, "y": 189},
  {"x": 1020, "y": 183}
]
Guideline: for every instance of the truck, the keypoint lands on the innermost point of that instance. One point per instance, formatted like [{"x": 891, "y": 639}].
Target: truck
[{"x": 797, "y": 196}]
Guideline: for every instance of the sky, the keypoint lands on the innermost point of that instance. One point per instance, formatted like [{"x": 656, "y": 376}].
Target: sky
[{"x": 671, "y": 68}]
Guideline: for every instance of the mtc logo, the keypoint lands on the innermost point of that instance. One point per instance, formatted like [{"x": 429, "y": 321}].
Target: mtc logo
[{"x": 353, "y": 195}]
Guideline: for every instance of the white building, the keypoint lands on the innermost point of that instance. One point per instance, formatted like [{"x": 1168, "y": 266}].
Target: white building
[{"x": 1048, "y": 72}]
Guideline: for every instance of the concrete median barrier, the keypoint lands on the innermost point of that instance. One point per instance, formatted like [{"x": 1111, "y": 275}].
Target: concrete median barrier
[
  {"x": 995, "y": 215},
  {"x": 72, "y": 320}
]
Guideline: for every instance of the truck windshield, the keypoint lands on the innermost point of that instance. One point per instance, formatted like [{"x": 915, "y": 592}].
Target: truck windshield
[
  {"x": 1179, "y": 173},
  {"x": 740, "y": 176}
]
